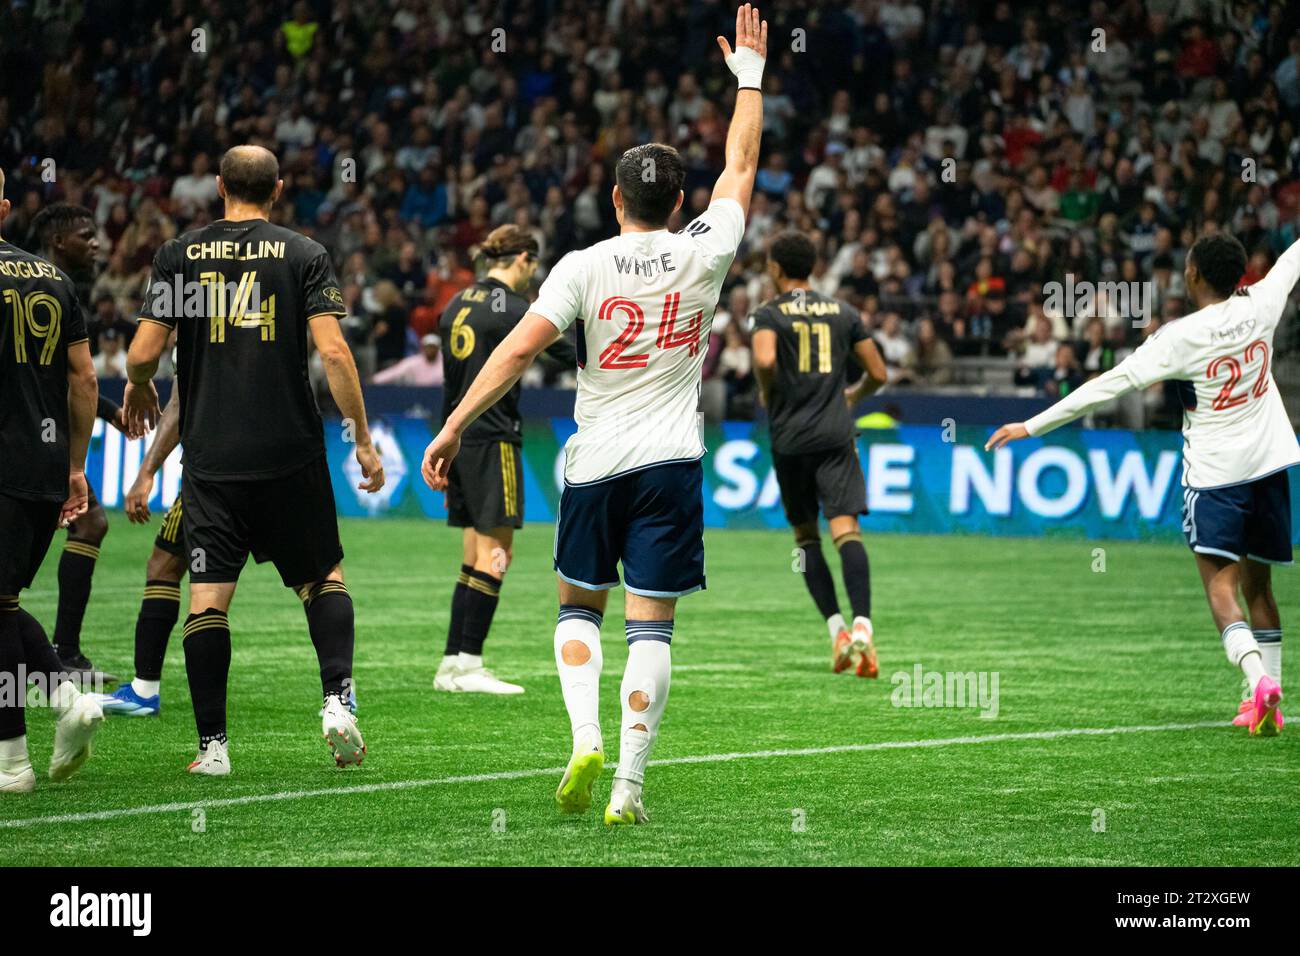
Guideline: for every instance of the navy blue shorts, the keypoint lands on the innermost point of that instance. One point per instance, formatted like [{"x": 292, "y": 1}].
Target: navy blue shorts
[
  {"x": 1250, "y": 520},
  {"x": 652, "y": 520}
]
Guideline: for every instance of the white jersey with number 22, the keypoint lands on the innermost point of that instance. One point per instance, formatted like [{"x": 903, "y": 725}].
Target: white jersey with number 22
[
  {"x": 1235, "y": 427},
  {"x": 644, "y": 302}
]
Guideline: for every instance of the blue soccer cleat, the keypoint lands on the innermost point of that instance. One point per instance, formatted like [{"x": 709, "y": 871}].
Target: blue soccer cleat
[{"x": 126, "y": 702}]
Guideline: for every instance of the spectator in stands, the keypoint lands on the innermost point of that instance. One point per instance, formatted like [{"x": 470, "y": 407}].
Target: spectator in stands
[
  {"x": 933, "y": 364},
  {"x": 1094, "y": 353},
  {"x": 895, "y": 346},
  {"x": 423, "y": 369}
]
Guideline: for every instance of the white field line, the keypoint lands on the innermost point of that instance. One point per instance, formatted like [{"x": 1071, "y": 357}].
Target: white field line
[{"x": 255, "y": 798}]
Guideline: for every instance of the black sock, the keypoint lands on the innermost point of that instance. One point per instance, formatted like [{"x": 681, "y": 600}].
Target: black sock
[
  {"x": 207, "y": 662},
  {"x": 857, "y": 573},
  {"x": 153, "y": 627},
  {"x": 817, "y": 576},
  {"x": 44, "y": 669},
  {"x": 12, "y": 718},
  {"x": 480, "y": 605},
  {"x": 457, "y": 625},
  {"x": 331, "y": 621},
  {"x": 76, "y": 567}
]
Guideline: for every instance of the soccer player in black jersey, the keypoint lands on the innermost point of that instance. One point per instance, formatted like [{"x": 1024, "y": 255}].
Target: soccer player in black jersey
[
  {"x": 485, "y": 490},
  {"x": 66, "y": 234},
  {"x": 803, "y": 342},
  {"x": 47, "y": 407},
  {"x": 246, "y": 298}
]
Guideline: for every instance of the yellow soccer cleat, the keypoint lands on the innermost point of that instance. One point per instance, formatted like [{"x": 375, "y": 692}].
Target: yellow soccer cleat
[{"x": 573, "y": 795}]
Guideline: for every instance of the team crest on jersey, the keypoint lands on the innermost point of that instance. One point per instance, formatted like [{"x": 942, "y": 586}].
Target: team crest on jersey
[{"x": 334, "y": 295}]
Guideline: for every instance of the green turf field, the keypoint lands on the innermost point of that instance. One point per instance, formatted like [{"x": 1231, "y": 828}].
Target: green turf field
[{"x": 464, "y": 779}]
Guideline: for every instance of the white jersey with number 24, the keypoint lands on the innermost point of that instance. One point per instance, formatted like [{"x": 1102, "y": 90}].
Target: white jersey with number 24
[{"x": 645, "y": 302}]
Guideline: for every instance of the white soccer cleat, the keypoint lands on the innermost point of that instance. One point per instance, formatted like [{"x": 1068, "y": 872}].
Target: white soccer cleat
[
  {"x": 213, "y": 760},
  {"x": 445, "y": 679},
  {"x": 480, "y": 680},
  {"x": 625, "y": 806},
  {"x": 72, "y": 735},
  {"x": 339, "y": 728},
  {"x": 18, "y": 781}
]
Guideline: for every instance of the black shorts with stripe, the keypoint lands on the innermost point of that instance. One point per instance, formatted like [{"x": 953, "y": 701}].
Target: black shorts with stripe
[
  {"x": 27, "y": 527},
  {"x": 171, "y": 536},
  {"x": 485, "y": 487},
  {"x": 289, "y": 521}
]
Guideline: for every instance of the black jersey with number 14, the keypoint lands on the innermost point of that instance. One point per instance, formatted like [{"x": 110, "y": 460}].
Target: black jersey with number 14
[
  {"x": 39, "y": 318},
  {"x": 240, "y": 295},
  {"x": 815, "y": 336}
]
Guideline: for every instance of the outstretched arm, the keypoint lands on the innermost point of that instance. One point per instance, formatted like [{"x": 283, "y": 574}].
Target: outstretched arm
[
  {"x": 1100, "y": 390},
  {"x": 737, "y": 179},
  {"x": 498, "y": 375}
]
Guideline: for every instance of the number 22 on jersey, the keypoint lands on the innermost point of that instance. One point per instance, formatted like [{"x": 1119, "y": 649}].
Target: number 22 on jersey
[{"x": 1227, "y": 363}]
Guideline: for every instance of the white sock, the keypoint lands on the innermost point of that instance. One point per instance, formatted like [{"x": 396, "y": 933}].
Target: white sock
[
  {"x": 580, "y": 683},
  {"x": 859, "y": 622},
  {"x": 145, "y": 688},
  {"x": 13, "y": 755},
  {"x": 835, "y": 624},
  {"x": 469, "y": 662},
  {"x": 649, "y": 670},
  {"x": 1270, "y": 649},
  {"x": 1239, "y": 644}
]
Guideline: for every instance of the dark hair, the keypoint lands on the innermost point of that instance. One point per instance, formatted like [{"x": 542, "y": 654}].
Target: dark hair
[
  {"x": 249, "y": 174},
  {"x": 57, "y": 219},
  {"x": 794, "y": 253},
  {"x": 650, "y": 178},
  {"x": 506, "y": 242},
  {"x": 1221, "y": 260}
]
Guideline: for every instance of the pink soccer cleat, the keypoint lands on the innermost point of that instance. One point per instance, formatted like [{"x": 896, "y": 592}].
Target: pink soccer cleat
[{"x": 1262, "y": 714}]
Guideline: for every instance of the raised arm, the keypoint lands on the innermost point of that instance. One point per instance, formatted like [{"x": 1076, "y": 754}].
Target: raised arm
[
  {"x": 345, "y": 386},
  {"x": 746, "y": 130}
]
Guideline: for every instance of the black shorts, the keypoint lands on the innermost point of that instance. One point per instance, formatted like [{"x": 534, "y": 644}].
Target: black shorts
[
  {"x": 485, "y": 487},
  {"x": 289, "y": 521},
  {"x": 27, "y": 527},
  {"x": 831, "y": 478},
  {"x": 650, "y": 520},
  {"x": 1250, "y": 520},
  {"x": 171, "y": 536}
]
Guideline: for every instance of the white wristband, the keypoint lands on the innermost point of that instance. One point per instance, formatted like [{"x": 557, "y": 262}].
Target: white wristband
[{"x": 747, "y": 65}]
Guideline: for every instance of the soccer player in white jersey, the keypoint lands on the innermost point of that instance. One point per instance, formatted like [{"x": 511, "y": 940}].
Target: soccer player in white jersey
[
  {"x": 1237, "y": 446},
  {"x": 633, "y": 478}
]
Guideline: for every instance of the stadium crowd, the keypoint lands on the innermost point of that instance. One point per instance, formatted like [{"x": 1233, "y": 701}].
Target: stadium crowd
[{"x": 951, "y": 159}]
